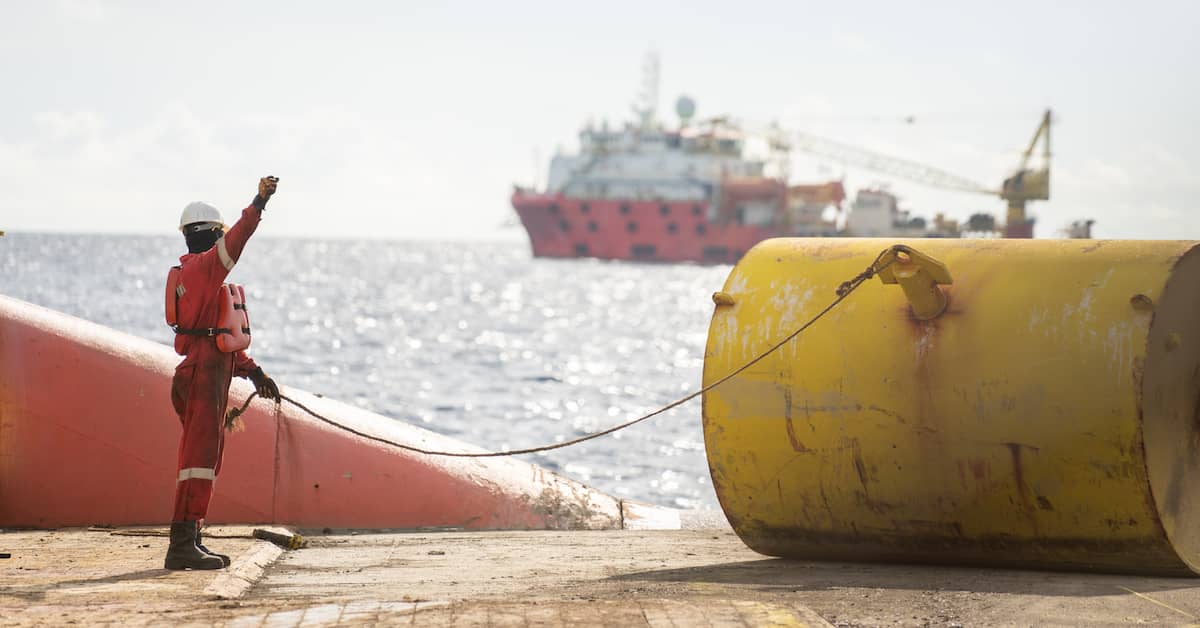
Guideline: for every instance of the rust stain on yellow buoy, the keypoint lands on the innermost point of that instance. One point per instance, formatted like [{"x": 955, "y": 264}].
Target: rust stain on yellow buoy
[{"x": 1028, "y": 403}]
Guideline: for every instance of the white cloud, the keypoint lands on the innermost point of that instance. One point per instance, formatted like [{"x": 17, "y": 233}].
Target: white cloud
[
  {"x": 82, "y": 10},
  {"x": 1105, "y": 173},
  {"x": 851, "y": 41},
  {"x": 64, "y": 125},
  {"x": 342, "y": 173}
]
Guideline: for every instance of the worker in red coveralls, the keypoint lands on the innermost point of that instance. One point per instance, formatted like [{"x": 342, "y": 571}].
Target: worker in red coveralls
[{"x": 200, "y": 389}]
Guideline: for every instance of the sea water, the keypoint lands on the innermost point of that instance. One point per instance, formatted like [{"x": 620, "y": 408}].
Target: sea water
[{"x": 479, "y": 341}]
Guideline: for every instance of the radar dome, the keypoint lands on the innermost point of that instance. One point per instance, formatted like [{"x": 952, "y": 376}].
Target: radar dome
[{"x": 685, "y": 108}]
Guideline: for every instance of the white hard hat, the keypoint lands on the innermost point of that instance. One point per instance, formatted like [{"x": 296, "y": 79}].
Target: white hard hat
[{"x": 199, "y": 211}]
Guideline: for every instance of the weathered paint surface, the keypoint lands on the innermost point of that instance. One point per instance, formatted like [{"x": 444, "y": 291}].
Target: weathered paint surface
[
  {"x": 88, "y": 436},
  {"x": 1048, "y": 418}
]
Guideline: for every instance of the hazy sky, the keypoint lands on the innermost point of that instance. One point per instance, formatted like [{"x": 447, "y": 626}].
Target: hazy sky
[{"x": 408, "y": 119}]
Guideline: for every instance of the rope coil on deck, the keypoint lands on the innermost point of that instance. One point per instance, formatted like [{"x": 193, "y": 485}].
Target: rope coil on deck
[{"x": 844, "y": 290}]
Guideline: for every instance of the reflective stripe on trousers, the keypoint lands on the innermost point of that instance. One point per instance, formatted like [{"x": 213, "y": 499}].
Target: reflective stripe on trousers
[{"x": 197, "y": 473}]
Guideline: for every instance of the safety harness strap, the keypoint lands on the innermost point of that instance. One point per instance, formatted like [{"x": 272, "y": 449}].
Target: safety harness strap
[{"x": 207, "y": 331}]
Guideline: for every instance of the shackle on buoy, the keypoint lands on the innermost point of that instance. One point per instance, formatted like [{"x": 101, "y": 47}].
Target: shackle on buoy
[{"x": 919, "y": 275}]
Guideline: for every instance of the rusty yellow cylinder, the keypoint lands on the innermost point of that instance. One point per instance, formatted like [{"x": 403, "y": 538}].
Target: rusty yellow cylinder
[{"x": 1046, "y": 417}]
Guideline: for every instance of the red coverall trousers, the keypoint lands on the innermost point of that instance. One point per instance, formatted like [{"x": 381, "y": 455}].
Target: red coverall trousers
[{"x": 200, "y": 394}]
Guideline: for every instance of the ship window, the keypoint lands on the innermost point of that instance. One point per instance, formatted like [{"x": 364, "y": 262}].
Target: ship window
[
  {"x": 700, "y": 229},
  {"x": 585, "y": 208},
  {"x": 553, "y": 209},
  {"x": 664, "y": 209},
  {"x": 624, "y": 208},
  {"x": 715, "y": 253},
  {"x": 696, "y": 210},
  {"x": 566, "y": 226},
  {"x": 631, "y": 227},
  {"x": 591, "y": 225},
  {"x": 581, "y": 250},
  {"x": 643, "y": 251},
  {"x": 672, "y": 227}
]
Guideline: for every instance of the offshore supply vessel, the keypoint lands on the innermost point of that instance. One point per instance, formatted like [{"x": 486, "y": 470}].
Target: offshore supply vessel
[
  {"x": 647, "y": 193},
  {"x": 706, "y": 191},
  {"x": 656, "y": 195},
  {"x": 693, "y": 193}
]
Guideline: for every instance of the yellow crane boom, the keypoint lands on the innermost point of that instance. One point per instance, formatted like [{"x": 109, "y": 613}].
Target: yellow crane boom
[
  {"x": 885, "y": 164},
  {"x": 1025, "y": 184}
]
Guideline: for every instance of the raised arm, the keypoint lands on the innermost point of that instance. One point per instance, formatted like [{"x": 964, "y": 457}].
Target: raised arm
[{"x": 228, "y": 249}]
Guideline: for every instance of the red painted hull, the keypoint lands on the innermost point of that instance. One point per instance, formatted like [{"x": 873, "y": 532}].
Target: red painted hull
[{"x": 662, "y": 231}]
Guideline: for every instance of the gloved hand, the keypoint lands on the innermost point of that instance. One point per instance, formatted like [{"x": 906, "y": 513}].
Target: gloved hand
[
  {"x": 266, "y": 187},
  {"x": 264, "y": 385}
]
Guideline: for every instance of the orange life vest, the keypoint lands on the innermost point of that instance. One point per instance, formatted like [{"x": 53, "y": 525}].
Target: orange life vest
[
  {"x": 174, "y": 291},
  {"x": 233, "y": 320}
]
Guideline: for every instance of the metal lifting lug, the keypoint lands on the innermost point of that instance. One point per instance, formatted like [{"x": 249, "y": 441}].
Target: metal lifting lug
[
  {"x": 722, "y": 298},
  {"x": 919, "y": 276}
]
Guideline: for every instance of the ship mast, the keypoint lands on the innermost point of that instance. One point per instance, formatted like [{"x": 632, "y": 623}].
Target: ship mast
[{"x": 646, "y": 106}]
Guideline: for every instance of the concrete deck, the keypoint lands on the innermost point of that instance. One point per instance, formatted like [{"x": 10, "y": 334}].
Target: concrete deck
[{"x": 700, "y": 577}]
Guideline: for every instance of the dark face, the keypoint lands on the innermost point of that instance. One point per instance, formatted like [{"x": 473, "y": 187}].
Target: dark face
[{"x": 201, "y": 236}]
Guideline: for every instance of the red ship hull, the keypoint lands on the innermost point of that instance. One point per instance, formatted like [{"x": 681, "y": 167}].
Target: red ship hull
[{"x": 661, "y": 231}]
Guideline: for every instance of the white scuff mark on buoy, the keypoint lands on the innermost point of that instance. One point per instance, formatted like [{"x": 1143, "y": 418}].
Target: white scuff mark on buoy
[
  {"x": 790, "y": 303},
  {"x": 925, "y": 342},
  {"x": 730, "y": 339},
  {"x": 1037, "y": 317},
  {"x": 736, "y": 285},
  {"x": 1118, "y": 347},
  {"x": 1084, "y": 308}
]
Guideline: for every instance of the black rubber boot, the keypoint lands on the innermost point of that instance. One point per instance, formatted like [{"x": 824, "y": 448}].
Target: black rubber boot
[
  {"x": 182, "y": 553},
  {"x": 200, "y": 546}
]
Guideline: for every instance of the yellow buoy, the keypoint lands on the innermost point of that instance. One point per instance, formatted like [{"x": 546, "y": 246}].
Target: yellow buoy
[{"x": 1028, "y": 403}]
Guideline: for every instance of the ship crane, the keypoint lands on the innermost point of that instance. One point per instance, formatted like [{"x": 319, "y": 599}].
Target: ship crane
[{"x": 1025, "y": 184}]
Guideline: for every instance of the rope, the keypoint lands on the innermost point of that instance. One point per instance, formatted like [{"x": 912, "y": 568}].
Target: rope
[{"x": 845, "y": 289}]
